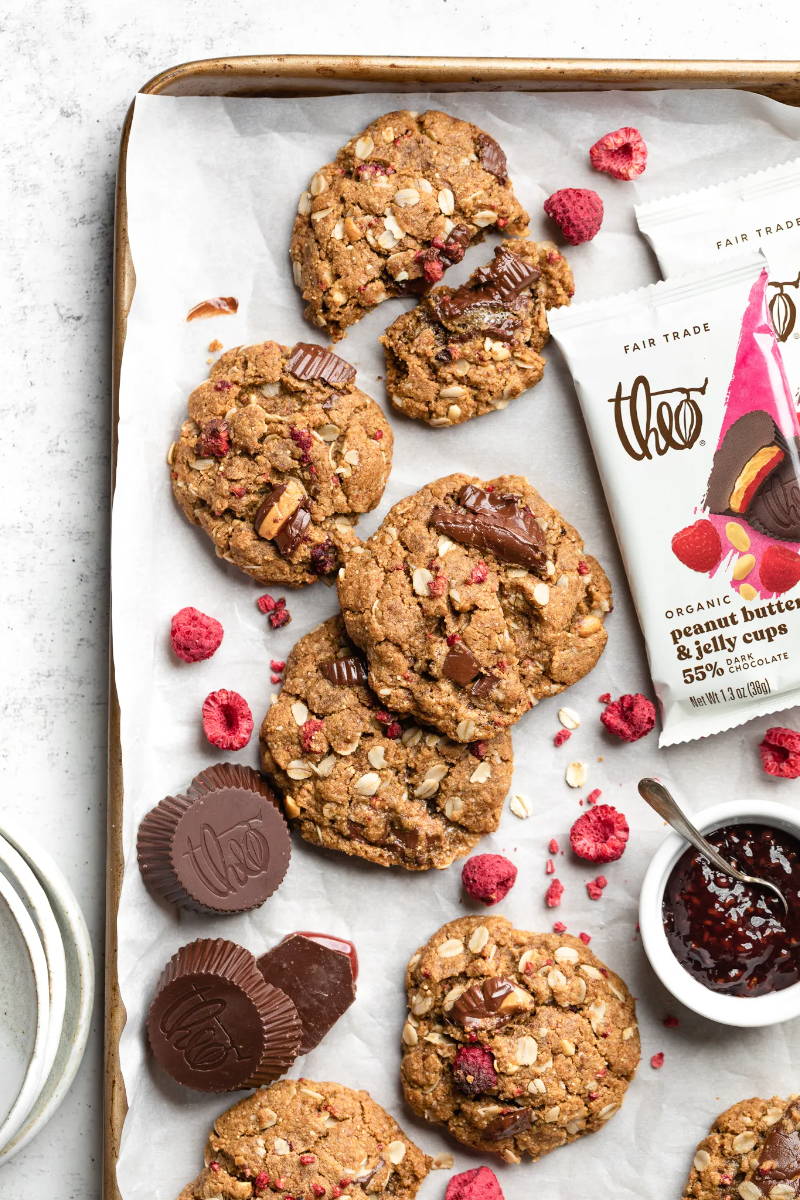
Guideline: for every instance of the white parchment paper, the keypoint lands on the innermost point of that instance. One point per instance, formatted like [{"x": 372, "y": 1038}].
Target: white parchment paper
[{"x": 212, "y": 187}]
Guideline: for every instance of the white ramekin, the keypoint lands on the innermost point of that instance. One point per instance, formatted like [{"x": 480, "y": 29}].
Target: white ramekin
[{"x": 741, "y": 1011}]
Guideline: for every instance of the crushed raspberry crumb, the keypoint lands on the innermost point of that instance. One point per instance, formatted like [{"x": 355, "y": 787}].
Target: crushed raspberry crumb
[
  {"x": 303, "y": 440},
  {"x": 605, "y": 698},
  {"x": 275, "y": 678},
  {"x": 553, "y": 846},
  {"x": 393, "y": 730},
  {"x": 278, "y": 664},
  {"x": 279, "y": 615},
  {"x": 552, "y": 896},
  {"x": 559, "y": 927},
  {"x": 266, "y": 603},
  {"x": 238, "y": 492},
  {"x": 307, "y": 1159},
  {"x": 670, "y": 1022},
  {"x": 222, "y": 385},
  {"x": 194, "y": 635},
  {"x": 488, "y": 877},
  {"x": 479, "y": 749},
  {"x": 227, "y": 720},
  {"x": 318, "y": 1189},
  {"x": 452, "y": 638},
  {"x": 657, "y": 1061},
  {"x": 479, "y": 573},
  {"x": 562, "y": 736},
  {"x": 600, "y": 835},
  {"x": 324, "y": 557},
  {"x": 480, "y": 1183},
  {"x": 629, "y": 718},
  {"x": 438, "y": 585},
  {"x": 307, "y": 731},
  {"x": 780, "y": 752},
  {"x": 583, "y": 568},
  {"x": 595, "y": 888},
  {"x": 213, "y": 1166},
  {"x": 473, "y": 1071},
  {"x": 260, "y": 1182},
  {"x": 585, "y": 938},
  {"x": 549, "y": 867},
  {"x": 214, "y": 440},
  {"x": 621, "y": 154},
  {"x": 593, "y": 796},
  {"x": 377, "y": 435}
]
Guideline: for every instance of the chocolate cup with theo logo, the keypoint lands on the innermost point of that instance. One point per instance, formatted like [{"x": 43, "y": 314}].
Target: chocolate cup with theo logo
[
  {"x": 216, "y": 1025},
  {"x": 218, "y": 849}
]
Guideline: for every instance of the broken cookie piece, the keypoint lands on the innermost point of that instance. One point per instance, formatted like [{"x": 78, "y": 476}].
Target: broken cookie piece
[
  {"x": 400, "y": 204},
  {"x": 466, "y": 351}
]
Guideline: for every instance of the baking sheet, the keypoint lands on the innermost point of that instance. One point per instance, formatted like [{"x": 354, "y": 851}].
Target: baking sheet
[{"x": 212, "y": 185}]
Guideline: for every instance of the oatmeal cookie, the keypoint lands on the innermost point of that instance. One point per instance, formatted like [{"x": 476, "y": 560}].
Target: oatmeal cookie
[
  {"x": 471, "y": 602},
  {"x": 357, "y": 779},
  {"x": 301, "y": 1138},
  {"x": 517, "y": 1042},
  {"x": 280, "y": 454},
  {"x": 469, "y": 350},
  {"x": 752, "y": 1151},
  {"x": 400, "y": 203}
]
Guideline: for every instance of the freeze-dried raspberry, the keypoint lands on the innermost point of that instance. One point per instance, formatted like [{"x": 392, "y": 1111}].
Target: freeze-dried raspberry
[
  {"x": 599, "y": 835},
  {"x": 780, "y": 752},
  {"x": 479, "y": 573},
  {"x": 307, "y": 731},
  {"x": 214, "y": 440},
  {"x": 552, "y": 896},
  {"x": 227, "y": 720},
  {"x": 780, "y": 569},
  {"x": 595, "y": 887},
  {"x": 324, "y": 558},
  {"x": 622, "y": 154},
  {"x": 194, "y": 635},
  {"x": 578, "y": 212},
  {"x": 562, "y": 736},
  {"x": 630, "y": 717},
  {"x": 473, "y": 1071},
  {"x": 278, "y": 664},
  {"x": 278, "y": 612},
  {"x": 266, "y": 603},
  {"x": 657, "y": 1061},
  {"x": 480, "y": 1183},
  {"x": 488, "y": 877},
  {"x": 559, "y": 927}
]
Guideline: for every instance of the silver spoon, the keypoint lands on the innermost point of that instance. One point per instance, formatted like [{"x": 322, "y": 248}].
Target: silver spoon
[{"x": 665, "y": 804}]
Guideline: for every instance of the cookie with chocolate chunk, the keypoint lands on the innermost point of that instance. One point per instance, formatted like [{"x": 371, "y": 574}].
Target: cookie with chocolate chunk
[
  {"x": 472, "y": 602},
  {"x": 280, "y": 454},
  {"x": 358, "y": 779},
  {"x": 752, "y": 1152},
  {"x": 302, "y": 1138},
  {"x": 469, "y": 350},
  {"x": 517, "y": 1042},
  {"x": 400, "y": 204}
]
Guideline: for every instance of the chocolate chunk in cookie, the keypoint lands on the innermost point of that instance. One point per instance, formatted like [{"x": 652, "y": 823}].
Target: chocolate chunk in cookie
[
  {"x": 358, "y": 779},
  {"x": 752, "y": 1152},
  {"x": 470, "y": 350},
  {"x": 301, "y": 1138},
  {"x": 517, "y": 1042},
  {"x": 400, "y": 204},
  {"x": 473, "y": 601},
  {"x": 279, "y": 456}
]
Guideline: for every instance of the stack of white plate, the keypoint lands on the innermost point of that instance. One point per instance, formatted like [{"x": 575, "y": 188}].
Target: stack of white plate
[{"x": 46, "y": 988}]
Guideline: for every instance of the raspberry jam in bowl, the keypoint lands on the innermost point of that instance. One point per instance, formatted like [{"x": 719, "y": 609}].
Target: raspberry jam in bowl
[{"x": 726, "y": 949}]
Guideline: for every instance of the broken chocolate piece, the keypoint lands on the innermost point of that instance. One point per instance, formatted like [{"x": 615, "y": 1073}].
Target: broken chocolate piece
[
  {"x": 488, "y": 302},
  {"x": 460, "y": 665},
  {"x": 779, "y": 1163},
  {"x": 217, "y": 306},
  {"x": 749, "y": 452},
  {"x": 491, "y": 156},
  {"x": 484, "y": 685},
  {"x": 290, "y": 534},
  {"x": 489, "y": 1004},
  {"x": 499, "y": 524},
  {"x": 345, "y": 672},
  {"x": 309, "y": 361},
  {"x": 277, "y": 507},
  {"x": 318, "y": 973},
  {"x": 508, "y": 1124}
]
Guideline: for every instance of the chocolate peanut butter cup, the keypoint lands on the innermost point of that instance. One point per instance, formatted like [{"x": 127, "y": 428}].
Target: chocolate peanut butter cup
[
  {"x": 318, "y": 973},
  {"x": 749, "y": 452},
  {"x": 775, "y": 510},
  {"x": 216, "y": 1025},
  {"x": 221, "y": 848}
]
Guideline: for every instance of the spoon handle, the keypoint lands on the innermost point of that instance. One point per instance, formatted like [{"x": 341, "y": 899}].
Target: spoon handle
[{"x": 659, "y": 799}]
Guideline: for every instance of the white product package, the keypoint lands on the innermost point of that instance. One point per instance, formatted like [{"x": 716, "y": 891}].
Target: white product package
[
  {"x": 759, "y": 212},
  {"x": 696, "y": 437}
]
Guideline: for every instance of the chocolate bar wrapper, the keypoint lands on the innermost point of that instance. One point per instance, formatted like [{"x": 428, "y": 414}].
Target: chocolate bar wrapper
[
  {"x": 759, "y": 212},
  {"x": 696, "y": 437}
]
